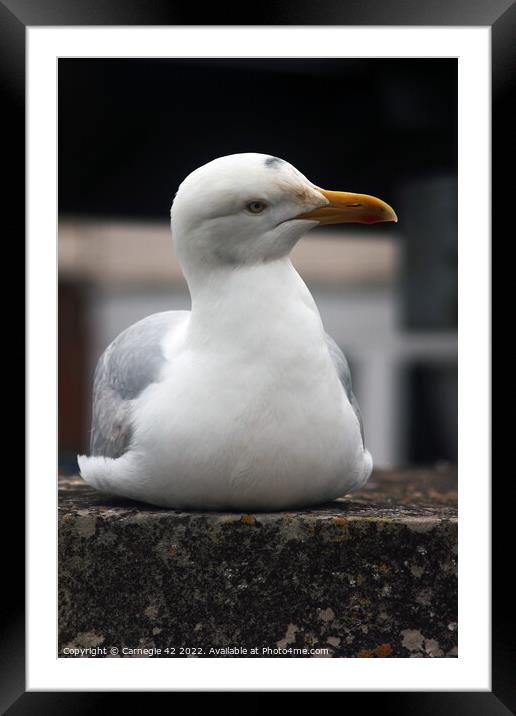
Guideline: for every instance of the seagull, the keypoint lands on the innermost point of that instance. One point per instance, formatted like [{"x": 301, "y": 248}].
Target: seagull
[{"x": 244, "y": 402}]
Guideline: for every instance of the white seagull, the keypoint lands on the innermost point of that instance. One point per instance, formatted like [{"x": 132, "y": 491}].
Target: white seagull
[{"x": 244, "y": 402}]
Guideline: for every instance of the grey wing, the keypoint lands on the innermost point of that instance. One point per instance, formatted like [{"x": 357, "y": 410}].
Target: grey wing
[
  {"x": 128, "y": 365},
  {"x": 344, "y": 373}
]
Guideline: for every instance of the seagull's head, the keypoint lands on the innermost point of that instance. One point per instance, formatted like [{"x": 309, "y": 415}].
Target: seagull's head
[{"x": 245, "y": 209}]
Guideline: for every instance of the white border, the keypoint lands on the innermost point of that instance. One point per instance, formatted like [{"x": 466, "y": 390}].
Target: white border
[{"x": 471, "y": 670}]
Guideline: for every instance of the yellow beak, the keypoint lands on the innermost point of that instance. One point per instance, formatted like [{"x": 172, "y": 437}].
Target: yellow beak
[{"x": 347, "y": 207}]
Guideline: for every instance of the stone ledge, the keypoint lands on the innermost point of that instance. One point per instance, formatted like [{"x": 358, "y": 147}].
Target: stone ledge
[{"x": 373, "y": 574}]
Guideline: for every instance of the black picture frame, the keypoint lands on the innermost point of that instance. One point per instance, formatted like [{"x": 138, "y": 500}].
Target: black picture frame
[{"x": 15, "y": 17}]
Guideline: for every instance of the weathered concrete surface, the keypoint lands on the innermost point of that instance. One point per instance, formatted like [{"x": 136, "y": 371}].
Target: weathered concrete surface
[{"x": 371, "y": 575}]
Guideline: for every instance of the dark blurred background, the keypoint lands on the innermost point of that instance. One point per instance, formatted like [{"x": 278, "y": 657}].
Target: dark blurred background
[{"x": 131, "y": 130}]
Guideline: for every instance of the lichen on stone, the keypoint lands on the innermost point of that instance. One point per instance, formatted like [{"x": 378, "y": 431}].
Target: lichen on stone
[{"x": 371, "y": 575}]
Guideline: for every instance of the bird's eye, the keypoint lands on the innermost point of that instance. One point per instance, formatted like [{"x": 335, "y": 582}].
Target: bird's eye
[{"x": 256, "y": 207}]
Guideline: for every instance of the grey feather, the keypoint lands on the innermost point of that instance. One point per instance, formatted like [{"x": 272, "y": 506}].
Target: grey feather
[
  {"x": 344, "y": 373},
  {"x": 128, "y": 365},
  {"x": 273, "y": 162}
]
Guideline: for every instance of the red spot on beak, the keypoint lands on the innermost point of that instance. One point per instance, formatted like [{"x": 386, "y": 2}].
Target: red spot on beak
[{"x": 370, "y": 219}]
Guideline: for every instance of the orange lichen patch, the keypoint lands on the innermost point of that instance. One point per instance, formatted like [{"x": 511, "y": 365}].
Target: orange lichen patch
[
  {"x": 342, "y": 522},
  {"x": 384, "y": 568},
  {"x": 172, "y": 552},
  {"x": 247, "y": 519},
  {"x": 68, "y": 519},
  {"x": 383, "y": 650},
  {"x": 380, "y": 651}
]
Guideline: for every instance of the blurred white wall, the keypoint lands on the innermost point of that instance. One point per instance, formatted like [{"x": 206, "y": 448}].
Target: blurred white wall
[{"x": 130, "y": 271}]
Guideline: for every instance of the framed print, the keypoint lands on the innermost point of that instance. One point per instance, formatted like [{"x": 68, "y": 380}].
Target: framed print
[{"x": 390, "y": 582}]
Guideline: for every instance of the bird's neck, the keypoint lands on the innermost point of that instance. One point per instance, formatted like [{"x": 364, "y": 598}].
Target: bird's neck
[{"x": 234, "y": 302}]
